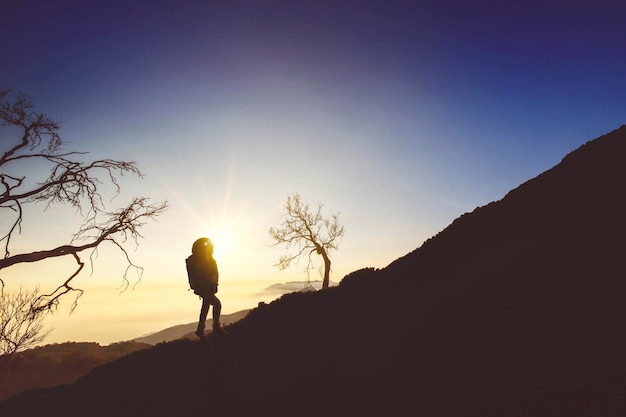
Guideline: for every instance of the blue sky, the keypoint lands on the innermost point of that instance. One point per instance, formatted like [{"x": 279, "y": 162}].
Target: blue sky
[{"x": 399, "y": 115}]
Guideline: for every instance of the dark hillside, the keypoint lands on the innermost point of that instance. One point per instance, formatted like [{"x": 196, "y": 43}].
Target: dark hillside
[
  {"x": 514, "y": 309},
  {"x": 58, "y": 363}
]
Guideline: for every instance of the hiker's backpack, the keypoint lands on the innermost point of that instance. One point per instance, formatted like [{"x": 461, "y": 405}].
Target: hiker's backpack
[{"x": 191, "y": 274}]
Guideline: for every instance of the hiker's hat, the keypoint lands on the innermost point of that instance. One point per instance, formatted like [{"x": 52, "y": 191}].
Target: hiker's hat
[{"x": 201, "y": 244}]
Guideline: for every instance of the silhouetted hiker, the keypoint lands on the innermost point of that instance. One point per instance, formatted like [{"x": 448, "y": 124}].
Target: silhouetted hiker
[{"x": 203, "y": 279}]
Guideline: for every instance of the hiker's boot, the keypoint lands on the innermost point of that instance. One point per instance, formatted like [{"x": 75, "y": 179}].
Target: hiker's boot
[
  {"x": 200, "y": 333},
  {"x": 219, "y": 330}
]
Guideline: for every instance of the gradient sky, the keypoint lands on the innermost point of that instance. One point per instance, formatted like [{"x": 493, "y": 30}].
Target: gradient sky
[{"x": 399, "y": 115}]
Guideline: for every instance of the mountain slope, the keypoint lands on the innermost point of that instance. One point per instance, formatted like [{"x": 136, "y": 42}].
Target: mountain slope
[{"x": 517, "y": 300}]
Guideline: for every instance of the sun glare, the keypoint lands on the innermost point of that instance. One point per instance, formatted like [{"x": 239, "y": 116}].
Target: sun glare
[
  {"x": 224, "y": 241},
  {"x": 221, "y": 229},
  {"x": 222, "y": 218}
]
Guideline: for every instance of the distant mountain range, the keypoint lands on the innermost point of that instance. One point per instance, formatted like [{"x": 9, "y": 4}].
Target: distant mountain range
[
  {"x": 186, "y": 331},
  {"x": 514, "y": 309}
]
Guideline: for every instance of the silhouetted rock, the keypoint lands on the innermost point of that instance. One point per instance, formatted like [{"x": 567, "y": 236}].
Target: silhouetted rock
[{"x": 516, "y": 307}]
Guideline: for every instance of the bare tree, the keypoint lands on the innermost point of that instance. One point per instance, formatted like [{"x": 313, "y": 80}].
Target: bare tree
[
  {"x": 71, "y": 182},
  {"x": 308, "y": 232},
  {"x": 21, "y": 324}
]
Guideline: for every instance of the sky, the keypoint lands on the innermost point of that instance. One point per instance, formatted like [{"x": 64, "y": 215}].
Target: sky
[{"x": 398, "y": 115}]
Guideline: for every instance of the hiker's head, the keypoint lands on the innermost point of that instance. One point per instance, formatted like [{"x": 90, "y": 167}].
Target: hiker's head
[{"x": 202, "y": 246}]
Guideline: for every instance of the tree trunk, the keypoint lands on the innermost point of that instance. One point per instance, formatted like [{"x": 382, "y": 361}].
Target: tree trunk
[{"x": 326, "y": 281}]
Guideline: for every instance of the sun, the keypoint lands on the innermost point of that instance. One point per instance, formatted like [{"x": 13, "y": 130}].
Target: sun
[{"x": 224, "y": 241}]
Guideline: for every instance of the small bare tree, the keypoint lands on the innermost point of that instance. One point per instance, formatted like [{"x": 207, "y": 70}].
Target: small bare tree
[
  {"x": 71, "y": 181},
  {"x": 21, "y": 324},
  {"x": 308, "y": 232}
]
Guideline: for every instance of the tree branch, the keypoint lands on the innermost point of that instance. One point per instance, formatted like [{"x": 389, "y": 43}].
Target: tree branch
[
  {"x": 70, "y": 181},
  {"x": 301, "y": 229}
]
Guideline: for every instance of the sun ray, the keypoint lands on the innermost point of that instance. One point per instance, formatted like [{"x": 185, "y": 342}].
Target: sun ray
[{"x": 225, "y": 215}]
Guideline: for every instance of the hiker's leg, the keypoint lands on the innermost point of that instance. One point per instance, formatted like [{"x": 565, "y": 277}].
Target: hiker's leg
[
  {"x": 217, "y": 310},
  {"x": 203, "y": 313}
]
